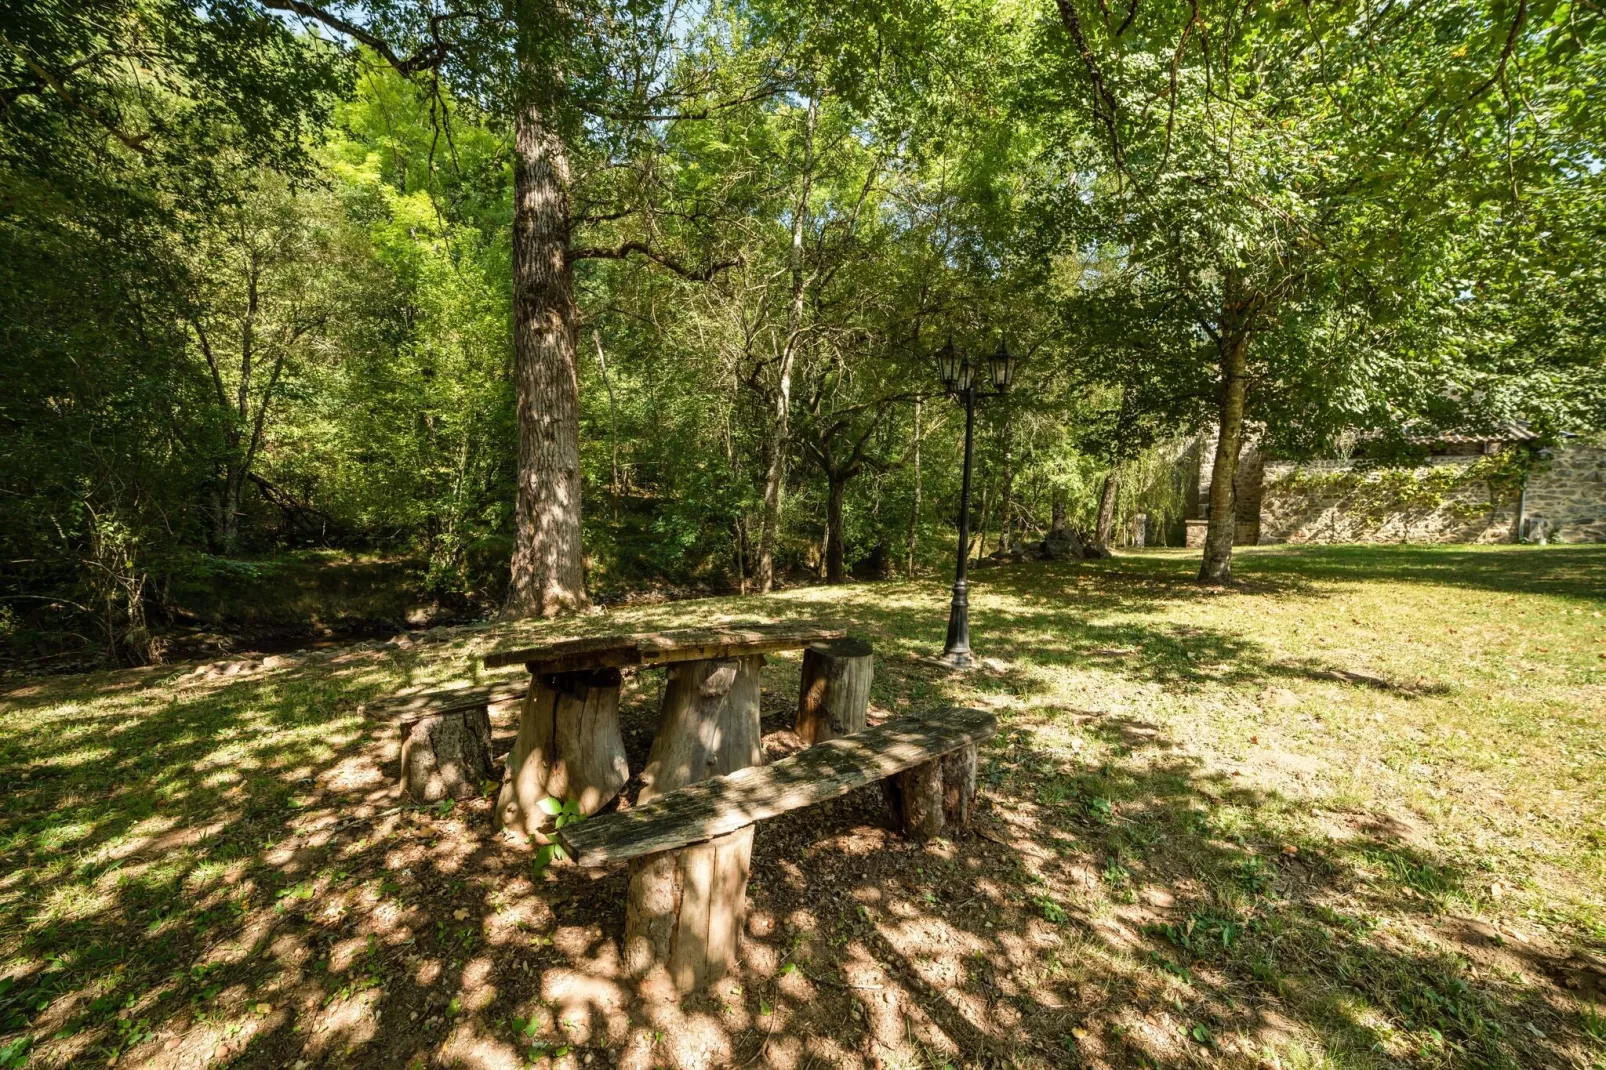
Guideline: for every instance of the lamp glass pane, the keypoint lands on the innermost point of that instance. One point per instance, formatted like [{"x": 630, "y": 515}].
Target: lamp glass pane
[
  {"x": 948, "y": 362},
  {"x": 966, "y": 372},
  {"x": 1002, "y": 366}
]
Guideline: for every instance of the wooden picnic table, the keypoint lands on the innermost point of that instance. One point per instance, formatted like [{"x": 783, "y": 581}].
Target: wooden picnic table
[
  {"x": 685, "y": 905},
  {"x": 569, "y": 746},
  {"x": 688, "y": 838}
]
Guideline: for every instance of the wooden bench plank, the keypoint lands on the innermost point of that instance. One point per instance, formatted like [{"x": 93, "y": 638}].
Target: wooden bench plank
[
  {"x": 724, "y": 804},
  {"x": 661, "y": 648}
]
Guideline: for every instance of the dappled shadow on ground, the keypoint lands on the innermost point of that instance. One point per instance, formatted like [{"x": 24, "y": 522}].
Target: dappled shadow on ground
[{"x": 205, "y": 868}]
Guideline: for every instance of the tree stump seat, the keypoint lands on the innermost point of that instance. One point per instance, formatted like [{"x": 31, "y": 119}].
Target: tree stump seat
[{"x": 446, "y": 739}]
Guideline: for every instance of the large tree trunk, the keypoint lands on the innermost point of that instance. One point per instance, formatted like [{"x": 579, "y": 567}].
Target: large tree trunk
[
  {"x": 548, "y": 573},
  {"x": 834, "y": 570},
  {"x": 780, "y": 435},
  {"x": 226, "y": 511},
  {"x": 1105, "y": 530},
  {"x": 1006, "y": 519},
  {"x": 1219, "y": 536}
]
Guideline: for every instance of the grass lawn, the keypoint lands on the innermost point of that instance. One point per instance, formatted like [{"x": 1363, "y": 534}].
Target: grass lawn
[{"x": 1349, "y": 813}]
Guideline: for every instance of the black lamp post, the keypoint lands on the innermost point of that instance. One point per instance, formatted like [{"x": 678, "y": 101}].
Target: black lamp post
[{"x": 959, "y": 378}]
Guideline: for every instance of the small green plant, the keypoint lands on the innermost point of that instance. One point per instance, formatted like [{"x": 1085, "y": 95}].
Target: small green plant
[
  {"x": 14, "y": 1052},
  {"x": 1255, "y": 876},
  {"x": 1591, "y": 1019},
  {"x": 525, "y": 1033},
  {"x": 287, "y": 896},
  {"x": 1050, "y": 909},
  {"x": 564, "y": 813}
]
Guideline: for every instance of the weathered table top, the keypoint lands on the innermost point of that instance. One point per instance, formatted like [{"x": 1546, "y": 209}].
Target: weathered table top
[{"x": 661, "y": 648}]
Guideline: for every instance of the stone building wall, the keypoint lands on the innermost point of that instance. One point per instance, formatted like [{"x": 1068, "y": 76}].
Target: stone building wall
[
  {"x": 1296, "y": 507},
  {"x": 1246, "y": 487},
  {"x": 1567, "y": 496}
]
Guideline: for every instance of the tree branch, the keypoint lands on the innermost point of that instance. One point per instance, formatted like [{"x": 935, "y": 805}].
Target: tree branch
[
  {"x": 133, "y": 141},
  {"x": 426, "y": 58},
  {"x": 622, "y": 252}
]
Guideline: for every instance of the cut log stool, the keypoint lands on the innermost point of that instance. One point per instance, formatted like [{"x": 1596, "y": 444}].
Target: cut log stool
[
  {"x": 932, "y": 796},
  {"x": 685, "y": 909},
  {"x": 446, "y": 754},
  {"x": 569, "y": 748},
  {"x": 834, "y": 696}
]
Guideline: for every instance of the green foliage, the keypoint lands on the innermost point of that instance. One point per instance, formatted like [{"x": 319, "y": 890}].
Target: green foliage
[
  {"x": 255, "y": 286},
  {"x": 564, "y": 812}
]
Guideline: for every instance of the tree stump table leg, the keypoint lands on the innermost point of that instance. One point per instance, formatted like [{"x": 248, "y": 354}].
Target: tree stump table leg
[
  {"x": 446, "y": 754},
  {"x": 569, "y": 748},
  {"x": 686, "y": 907},
  {"x": 834, "y": 697}
]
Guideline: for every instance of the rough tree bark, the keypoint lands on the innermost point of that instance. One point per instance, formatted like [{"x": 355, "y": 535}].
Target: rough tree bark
[
  {"x": 1057, "y": 525},
  {"x": 1006, "y": 519},
  {"x": 1217, "y": 564},
  {"x": 836, "y": 490},
  {"x": 959, "y": 786},
  {"x": 548, "y": 574},
  {"x": 446, "y": 754},
  {"x": 684, "y": 913},
  {"x": 916, "y": 795},
  {"x": 941, "y": 793}
]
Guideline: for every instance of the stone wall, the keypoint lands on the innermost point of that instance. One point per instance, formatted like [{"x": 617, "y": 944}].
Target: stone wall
[
  {"x": 1569, "y": 494},
  {"x": 1246, "y": 488},
  {"x": 1303, "y": 503}
]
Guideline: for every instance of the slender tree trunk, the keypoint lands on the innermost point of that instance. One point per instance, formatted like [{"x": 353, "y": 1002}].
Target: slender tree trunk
[
  {"x": 226, "y": 510},
  {"x": 548, "y": 574},
  {"x": 613, "y": 423},
  {"x": 914, "y": 513},
  {"x": 1057, "y": 524},
  {"x": 837, "y": 487},
  {"x": 1217, "y": 564},
  {"x": 781, "y": 433},
  {"x": 1006, "y": 517},
  {"x": 1105, "y": 531}
]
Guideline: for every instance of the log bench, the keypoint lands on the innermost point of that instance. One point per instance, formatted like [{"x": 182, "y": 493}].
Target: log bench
[{"x": 688, "y": 848}]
